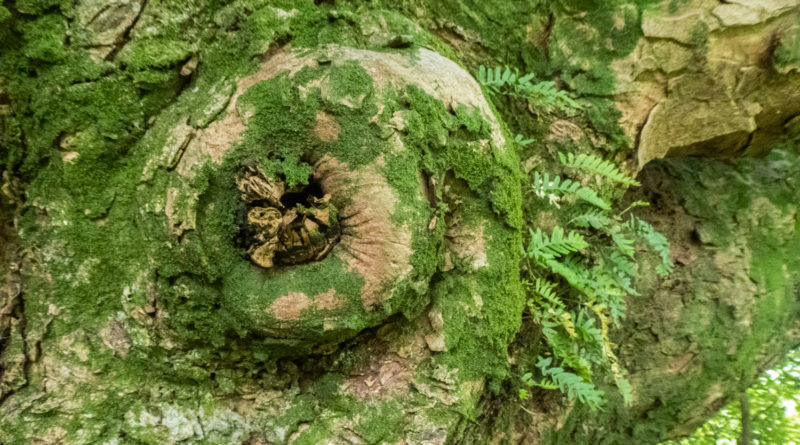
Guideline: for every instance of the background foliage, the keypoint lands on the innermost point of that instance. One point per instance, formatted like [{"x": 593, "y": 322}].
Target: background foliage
[{"x": 774, "y": 402}]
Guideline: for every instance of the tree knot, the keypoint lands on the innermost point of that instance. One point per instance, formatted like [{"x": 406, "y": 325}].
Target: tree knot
[{"x": 285, "y": 225}]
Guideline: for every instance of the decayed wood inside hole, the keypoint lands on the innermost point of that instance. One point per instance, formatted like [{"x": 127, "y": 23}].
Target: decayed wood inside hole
[{"x": 286, "y": 226}]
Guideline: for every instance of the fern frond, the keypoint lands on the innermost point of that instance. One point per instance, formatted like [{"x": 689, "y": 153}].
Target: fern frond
[
  {"x": 546, "y": 95},
  {"x": 542, "y": 247},
  {"x": 592, "y": 273},
  {"x": 573, "y": 272},
  {"x": 543, "y": 186},
  {"x": 588, "y": 331},
  {"x": 608, "y": 294},
  {"x": 597, "y": 166},
  {"x": 573, "y": 385},
  {"x": 622, "y": 268},
  {"x": 621, "y": 264},
  {"x": 595, "y": 218},
  {"x": 590, "y": 196},
  {"x": 546, "y": 384},
  {"x": 520, "y": 139},
  {"x": 546, "y": 307},
  {"x": 655, "y": 240},
  {"x": 624, "y": 244},
  {"x": 618, "y": 372},
  {"x": 545, "y": 289},
  {"x": 507, "y": 81}
]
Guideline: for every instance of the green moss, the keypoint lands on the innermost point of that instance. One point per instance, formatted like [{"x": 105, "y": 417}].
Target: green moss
[
  {"x": 604, "y": 117},
  {"x": 787, "y": 54},
  {"x": 230, "y": 302},
  {"x": 154, "y": 53},
  {"x": 263, "y": 27},
  {"x": 5, "y": 14},
  {"x": 572, "y": 42},
  {"x": 381, "y": 423},
  {"x": 11, "y": 138},
  {"x": 44, "y": 38},
  {"x": 35, "y": 6},
  {"x": 581, "y": 50},
  {"x": 278, "y": 137},
  {"x": 478, "y": 20},
  {"x": 81, "y": 120},
  {"x": 469, "y": 326}
]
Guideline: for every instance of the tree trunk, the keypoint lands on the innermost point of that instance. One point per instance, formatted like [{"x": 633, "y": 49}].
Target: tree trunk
[
  {"x": 746, "y": 435},
  {"x": 302, "y": 222}
]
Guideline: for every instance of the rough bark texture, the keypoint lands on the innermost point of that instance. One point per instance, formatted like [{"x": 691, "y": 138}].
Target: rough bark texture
[{"x": 131, "y": 310}]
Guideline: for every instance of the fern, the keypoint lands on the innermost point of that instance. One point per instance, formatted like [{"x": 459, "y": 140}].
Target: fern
[
  {"x": 621, "y": 264},
  {"x": 542, "y": 247},
  {"x": 656, "y": 241},
  {"x": 597, "y": 166},
  {"x": 584, "y": 271},
  {"x": 587, "y": 330},
  {"x": 520, "y": 139},
  {"x": 573, "y": 385},
  {"x": 609, "y": 297},
  {"x": 544, "y": 187},
  {"x": 543, "y": 184},
  {"x": 622, "y": 267},
  {"x": 590, "y": 196},
  {"x": 575, "y": 339},
  {"x": 624, "y": 244},
  {"x": 527, "y": 379},
  {"x": 617, "y": 372},
  {"x": 509, "y": 82},
  {"x": 595, "y": 218},
  {"x": 545, "y": 290}
]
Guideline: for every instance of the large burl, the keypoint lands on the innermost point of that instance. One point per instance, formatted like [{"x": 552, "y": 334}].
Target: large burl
[{"x": 327, "y": 194}]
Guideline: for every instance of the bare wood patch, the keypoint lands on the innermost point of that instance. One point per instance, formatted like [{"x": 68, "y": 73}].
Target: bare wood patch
[{"x": 326, "y": 129}]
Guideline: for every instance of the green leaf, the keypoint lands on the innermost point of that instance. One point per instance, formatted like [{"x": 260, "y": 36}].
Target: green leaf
[
  {"x": 598, "y": 166},
  {"x": 542, "y": 247},
  {"x": 591, "y": 197},
  {"x": 542, "y": 95},
  {"x": 543, "y": 186},
  {"x": 658, "y": 242},
  {"x": 519, "y": 139},
  {"x": 573, "y": 385},
  {"x": 624, "y": 244},
  {"x": 595, "y": 218}
]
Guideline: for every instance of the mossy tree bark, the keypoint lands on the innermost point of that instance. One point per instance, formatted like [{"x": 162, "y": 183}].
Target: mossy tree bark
[{"x": 301, "y": 221}]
